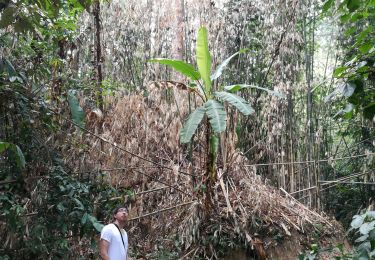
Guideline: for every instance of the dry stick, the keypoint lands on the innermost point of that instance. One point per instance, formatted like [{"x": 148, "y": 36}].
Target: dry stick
[
  {"x": 334, "y": 185},
  {"x": 328, "y": 182},
  {"x": 146, "y": 215},
  {"x": 188, "y": 253},
  {"x": 348, "y": 182},
  {"x": 30, "y": 178},
  {"x": 313, "y": 187},
  {"x": 347, "y": 177},
  {"x": 169, "y": 185},
  {"x": 137, "y": 194},
  {"x": 162, "y": 210},
  {"x": 119, "y": 147},
  {"x": 118, "y": 169},
  {"x": 225, "y": 192},
  {"x": 338, "y": 181},
  {"x": 306, "y": 208},
  {"x": 290, "y": 221},
  {"x": 313, "y": 161}
]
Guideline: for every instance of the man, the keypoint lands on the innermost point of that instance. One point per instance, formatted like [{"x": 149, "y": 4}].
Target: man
[{"x": 113, "y": 243}]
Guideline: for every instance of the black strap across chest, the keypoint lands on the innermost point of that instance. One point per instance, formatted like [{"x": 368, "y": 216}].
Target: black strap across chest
[{"x": 120, "y": 235}]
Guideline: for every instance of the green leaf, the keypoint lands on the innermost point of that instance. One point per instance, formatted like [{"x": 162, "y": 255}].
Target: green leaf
[
  {"x": 241, "y": 104},
  {"x": 363, "y": 34},
  {"x": 8, "y": 16},
  {"x": 78, "y": 115},
  {"x": 185, "y": 68},
  {"x": 216, "y": 115},
  {"x": 221, "y": 67},
  {"x": 365, "y": 47},
  {"x": 369, "y": 111},
  {"x": 348, "y": 108},
  {"x": 350, "y": 31},
  {"x": 346, "y": 89},
  {"x": 22, "y": 25},
  {"x": 371, "y": 213},
  {"x": 98, "y": 226},
  {"x": 327, "y": 5},
  {"x": 61, "y": 207},
  {"x": 4, "y": 146},
  {"x": 235, "y": 88},
  {"x": 191, "y": 124},
  {"x": 204, "y": 59},
  {"x": 371, "y": 234},
  {"x": 338, "y": 71},
  {"x": 355, "y": 17},
  {"x": 79, "y": 204},
  {"x": 20, "y": 159},
  {"x": 6, "y": 66},
  {"x": 344, "y": 18},
  {"x": 361, "y": 238},
  {"x": 84, "y": 218},
  {"x": 357, "y": 221},
  {"x": 353, "y": 5},
  {"x": 367, "y": 227}
]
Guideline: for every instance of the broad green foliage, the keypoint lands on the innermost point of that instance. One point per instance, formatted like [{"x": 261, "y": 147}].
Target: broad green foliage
[
  {"x": 20, "y": 159},
  {"x": 186, "y": 69},
  {"x": 191, "y": 125},
  {"x": 65, "y": 209},
  {"x": 78, "y": 115},
  {"x": 357, "y": 70},
  {"x": 216, "y": 115},
  {"x": 221, "y": 67},
  {"x": 237, "y": 87},
  {"x": 364, "y": 225},
  {"x": 213, "y": 106},
  {"x": 23, "y": 16},
  {"x": 241, "y": 104},
  {"x": 34, "y": 33},
  {"x": 204, "y": 60}
]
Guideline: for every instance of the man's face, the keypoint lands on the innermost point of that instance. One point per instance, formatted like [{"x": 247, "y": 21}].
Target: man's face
[{"x": 121, "y": 215}]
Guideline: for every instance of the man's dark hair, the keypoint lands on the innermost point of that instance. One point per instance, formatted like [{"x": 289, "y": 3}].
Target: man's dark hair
[{"x": 114, "y": 212}]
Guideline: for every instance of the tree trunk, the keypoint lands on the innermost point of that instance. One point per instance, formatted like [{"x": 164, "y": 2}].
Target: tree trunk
[{"x": 98, "y": 56}]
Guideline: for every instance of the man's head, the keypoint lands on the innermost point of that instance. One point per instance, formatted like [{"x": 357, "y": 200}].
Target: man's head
[{"x": 120, "y": 213}]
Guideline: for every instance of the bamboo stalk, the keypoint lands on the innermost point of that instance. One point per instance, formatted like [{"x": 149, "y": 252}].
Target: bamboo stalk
[
  {"x": 311, "y": 161},
  {"x": 162, "y": 210},
  {"x": 348, "y": 182}
]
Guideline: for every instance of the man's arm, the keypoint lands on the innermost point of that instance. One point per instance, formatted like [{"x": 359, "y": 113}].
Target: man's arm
[{"x": 103, "y": 249}]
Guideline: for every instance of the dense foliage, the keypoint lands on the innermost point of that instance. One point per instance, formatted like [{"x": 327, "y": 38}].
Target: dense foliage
[{"x": 44, "y": 206}]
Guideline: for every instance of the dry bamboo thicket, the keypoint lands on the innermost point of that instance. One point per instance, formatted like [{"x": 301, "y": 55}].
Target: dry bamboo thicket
[{"x": 244, "y": 203}]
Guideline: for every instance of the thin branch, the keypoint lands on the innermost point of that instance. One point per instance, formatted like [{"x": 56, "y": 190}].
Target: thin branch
[
  {"x": 312, "y": 161},
  {"x": 162, "y": 210},
  {"x": 169, "y": 185}
]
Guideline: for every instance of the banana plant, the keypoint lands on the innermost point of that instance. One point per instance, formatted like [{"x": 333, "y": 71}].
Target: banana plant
[{"x": 213, "y": 101}]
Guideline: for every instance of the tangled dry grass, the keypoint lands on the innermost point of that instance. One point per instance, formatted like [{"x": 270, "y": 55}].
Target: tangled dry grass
[{"x": 247, "y": 209}]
